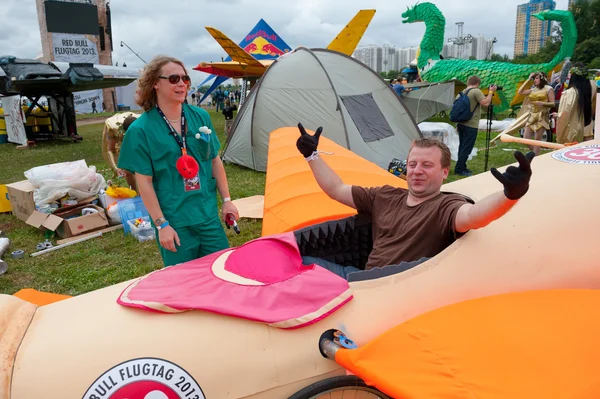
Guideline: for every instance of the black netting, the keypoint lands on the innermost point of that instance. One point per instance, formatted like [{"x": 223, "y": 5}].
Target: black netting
[{"x": 347, "y": 241}]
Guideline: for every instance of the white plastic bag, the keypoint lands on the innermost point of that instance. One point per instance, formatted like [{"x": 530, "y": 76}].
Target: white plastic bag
[
  {"x": 76, "y": 179},
  {"x": 114, "y": 217},
  {"x": 449, "y": 136},
  {"x": 4, "y": 244}
]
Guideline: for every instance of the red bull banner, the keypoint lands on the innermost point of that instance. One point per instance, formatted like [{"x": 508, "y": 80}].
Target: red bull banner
[{"x": 263, "y": 43}]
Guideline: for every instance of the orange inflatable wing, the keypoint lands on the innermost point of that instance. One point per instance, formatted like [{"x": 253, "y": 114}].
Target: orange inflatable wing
[
  {"x": 39, "y": 298},
  {"x": 534, "y": 344},
  {"x": 293, "y": 199}
]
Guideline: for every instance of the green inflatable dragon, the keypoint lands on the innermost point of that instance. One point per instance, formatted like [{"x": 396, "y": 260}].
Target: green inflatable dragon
[{"x": 508, "y": 75}]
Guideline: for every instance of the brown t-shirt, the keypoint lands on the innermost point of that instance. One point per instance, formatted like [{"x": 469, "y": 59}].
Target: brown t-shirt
[{"x": 406, "y": 233}]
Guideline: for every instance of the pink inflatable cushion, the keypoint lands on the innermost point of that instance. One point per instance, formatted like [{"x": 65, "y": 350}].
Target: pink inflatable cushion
[{"x": 263, "y": 280}]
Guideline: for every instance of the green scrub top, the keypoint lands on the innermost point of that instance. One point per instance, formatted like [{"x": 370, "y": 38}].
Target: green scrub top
[{"x": 149, "y": 149}]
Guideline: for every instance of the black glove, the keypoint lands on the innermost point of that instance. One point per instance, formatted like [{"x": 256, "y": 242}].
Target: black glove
[
  {"x": 516, "y": 179},
  {"x": 306, "y": 143}
]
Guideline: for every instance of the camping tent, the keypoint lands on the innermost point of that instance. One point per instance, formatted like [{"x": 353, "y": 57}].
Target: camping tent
[
  {"x": 429, "y": 98},
  {"x": 356, "y": 107}
]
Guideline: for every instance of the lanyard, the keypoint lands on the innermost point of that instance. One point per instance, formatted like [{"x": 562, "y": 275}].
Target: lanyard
[{"x": 181, "y": 140}]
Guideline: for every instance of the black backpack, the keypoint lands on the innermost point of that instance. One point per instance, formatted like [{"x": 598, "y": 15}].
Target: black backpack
[{"x": 461, "y": 108}]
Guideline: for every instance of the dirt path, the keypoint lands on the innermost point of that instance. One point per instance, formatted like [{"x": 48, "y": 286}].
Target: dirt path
[
  {"x": 99, "y": 119},
  {"x": 92, "y": 121}
]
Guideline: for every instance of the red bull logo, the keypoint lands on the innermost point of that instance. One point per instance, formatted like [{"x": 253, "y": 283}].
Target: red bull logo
[
  {"x": 262, "y": 33},
  {"x": 260, "y": 46},
  {"x": 271, "y": 49},
  {"x": 251, "y": 48}
]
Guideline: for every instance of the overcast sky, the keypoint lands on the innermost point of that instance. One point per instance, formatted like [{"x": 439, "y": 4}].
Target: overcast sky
[{"x": 176, "y": 27}]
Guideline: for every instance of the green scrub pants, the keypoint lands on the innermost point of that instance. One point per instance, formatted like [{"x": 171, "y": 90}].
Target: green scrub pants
[{"x": 196, "y": 241}]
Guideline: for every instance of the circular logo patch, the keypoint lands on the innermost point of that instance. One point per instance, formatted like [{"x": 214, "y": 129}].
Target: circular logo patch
[
  {"x": 145, "y": 378},
  {"x": 586, "y": 155}
]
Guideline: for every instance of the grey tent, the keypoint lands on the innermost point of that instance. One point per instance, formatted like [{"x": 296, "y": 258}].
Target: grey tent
[
  {"x": 429, "y": 98},
  {"x": 356, "y": 107}
]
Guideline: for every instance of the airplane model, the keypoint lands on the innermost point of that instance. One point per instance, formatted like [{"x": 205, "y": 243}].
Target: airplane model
[{"x": 245, "y": 64}]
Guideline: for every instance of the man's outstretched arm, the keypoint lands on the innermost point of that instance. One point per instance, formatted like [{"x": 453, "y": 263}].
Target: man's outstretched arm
[
  {"x": 326, "y": 177},
  {"x": 516, "y": 183}
]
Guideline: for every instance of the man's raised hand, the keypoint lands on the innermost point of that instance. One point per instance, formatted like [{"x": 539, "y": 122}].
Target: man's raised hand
[
  {"x": 306, "y": 143},
  {"x": 516, "y": 179}
]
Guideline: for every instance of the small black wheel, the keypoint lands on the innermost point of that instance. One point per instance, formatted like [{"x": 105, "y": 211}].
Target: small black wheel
[{"x": 345, "y": 383}]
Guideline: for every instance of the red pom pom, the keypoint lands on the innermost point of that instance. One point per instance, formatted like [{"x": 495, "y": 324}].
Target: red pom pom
[{"x": 187, "y": 166}]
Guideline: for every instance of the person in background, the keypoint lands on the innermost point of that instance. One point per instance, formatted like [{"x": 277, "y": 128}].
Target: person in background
[
  {"x": 399, "y": 88},
  {"x": 115, "y": 140},
  {"x": 228, "y": 113},
  {"x": 541, "y": 100},
  {"x": 467, "y": 130},
  {"x": 574, "y": 117},
  {"x": 172, "y": 149}
]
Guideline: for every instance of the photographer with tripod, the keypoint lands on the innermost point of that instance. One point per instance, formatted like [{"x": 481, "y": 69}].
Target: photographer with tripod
[{"x": 467, "y": 119}]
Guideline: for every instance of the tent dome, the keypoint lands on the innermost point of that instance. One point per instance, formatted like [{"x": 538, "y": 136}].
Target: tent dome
[{"x": 317, "y": 87}]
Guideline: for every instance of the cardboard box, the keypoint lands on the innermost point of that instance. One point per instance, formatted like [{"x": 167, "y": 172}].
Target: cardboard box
[
  {"x": 65, "y": 227},
  {"x": 20, "y": 195}
]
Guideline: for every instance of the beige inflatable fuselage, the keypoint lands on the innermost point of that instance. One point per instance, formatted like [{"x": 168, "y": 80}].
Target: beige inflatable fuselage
[{"x": 548, "y": 240}]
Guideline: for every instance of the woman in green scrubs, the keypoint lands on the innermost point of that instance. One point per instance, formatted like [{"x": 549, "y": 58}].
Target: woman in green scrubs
[{"x": 177, "y": 175}]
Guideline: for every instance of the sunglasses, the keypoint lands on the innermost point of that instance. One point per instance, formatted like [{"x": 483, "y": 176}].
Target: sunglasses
[{"x": 174, "y": 79}]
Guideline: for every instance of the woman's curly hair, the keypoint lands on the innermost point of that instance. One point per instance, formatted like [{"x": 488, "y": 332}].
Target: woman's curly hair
[{"x": 146, "y": 95}]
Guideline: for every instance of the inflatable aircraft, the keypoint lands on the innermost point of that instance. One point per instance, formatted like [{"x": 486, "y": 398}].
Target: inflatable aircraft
[{"x": 246, "y": 322}]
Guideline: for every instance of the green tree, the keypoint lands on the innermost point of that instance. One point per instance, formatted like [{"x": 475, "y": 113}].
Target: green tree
[
  {"x": 203, "y": 89},
  {"x": 501, "y": 58},
  {"x": 587, "y": 50},
  {"x": 595, "y": 63},
  {"x": 587, "y": 19},
  {"x": 393, "y": 74},
  {"x": 545, "y": 54}
]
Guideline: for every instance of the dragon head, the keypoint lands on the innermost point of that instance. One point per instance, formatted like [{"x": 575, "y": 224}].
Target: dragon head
[
  {"x": 552, "y": 15},
  {"x": 411, "y": 15}
]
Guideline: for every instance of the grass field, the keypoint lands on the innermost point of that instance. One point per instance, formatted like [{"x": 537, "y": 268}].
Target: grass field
[{"x": 113, "y": 258}]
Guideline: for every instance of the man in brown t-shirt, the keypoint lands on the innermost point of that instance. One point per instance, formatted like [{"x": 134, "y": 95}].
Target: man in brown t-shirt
[{"x": 409, "y": 225}]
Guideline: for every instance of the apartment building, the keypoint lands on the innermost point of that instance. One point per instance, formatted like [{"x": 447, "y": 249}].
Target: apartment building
[{"x": 531, "y": 33}]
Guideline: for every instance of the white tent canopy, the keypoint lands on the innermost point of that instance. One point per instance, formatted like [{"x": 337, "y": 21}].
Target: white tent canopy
[{"x": 355, "y": 106}]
